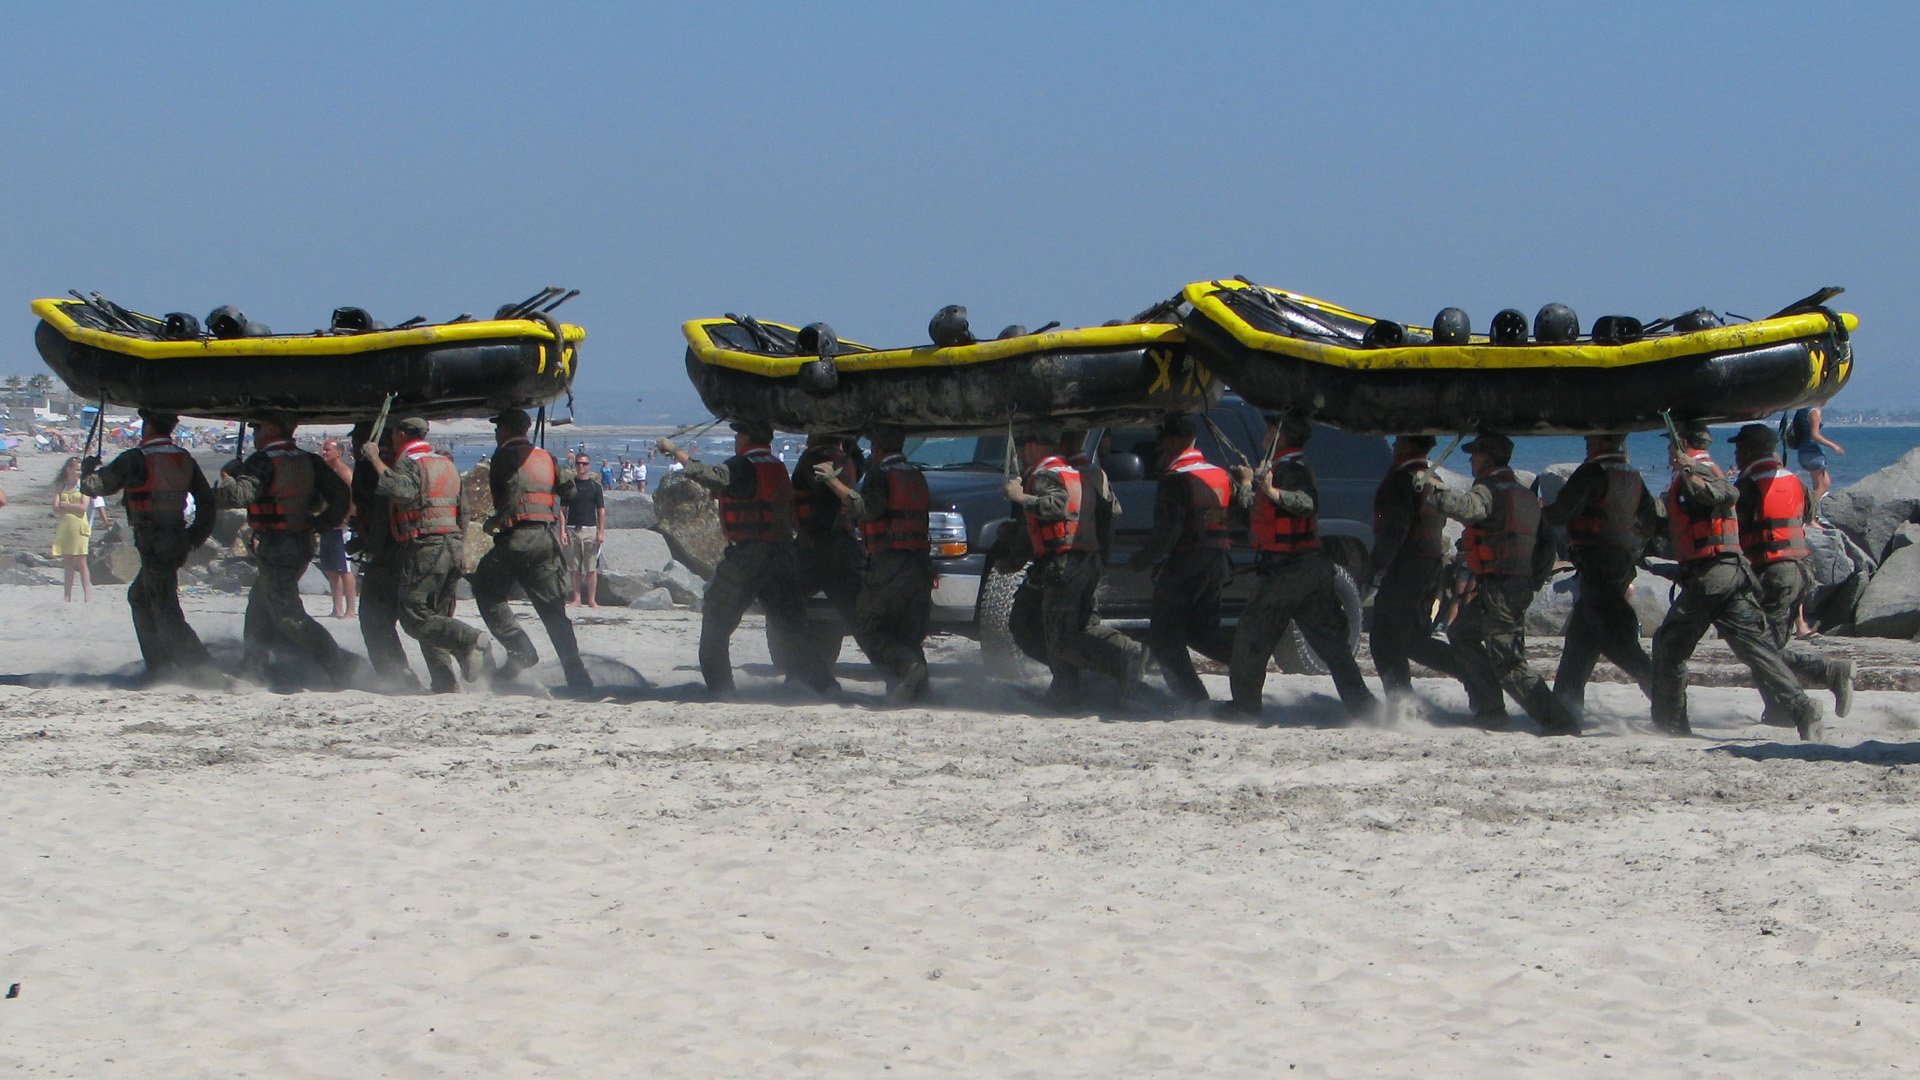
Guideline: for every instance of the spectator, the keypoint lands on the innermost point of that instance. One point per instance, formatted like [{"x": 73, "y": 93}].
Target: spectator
[
  {"x": 586, "y": 531},
  {"x": 333, "y": 542},
  {"x": 606, "y": 473},
  {"x": 626, "y": 475},
  {"x": 640, "y": 475},
  {"x": 1812, "y": 447},
  {"x": 73, "y": 529}
]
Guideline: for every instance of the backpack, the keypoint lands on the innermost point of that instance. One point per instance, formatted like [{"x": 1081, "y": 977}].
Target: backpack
[{"x": 1794, "y": 429}]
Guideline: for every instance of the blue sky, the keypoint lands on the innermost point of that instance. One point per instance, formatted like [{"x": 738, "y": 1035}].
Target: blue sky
[{"x": 864, "y": 164}]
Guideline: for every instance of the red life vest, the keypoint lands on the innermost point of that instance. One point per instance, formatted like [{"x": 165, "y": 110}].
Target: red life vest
[
  {"x": 1098, "y": 510},
  {"x": 161, "y": 498},
  {"x": 285, "y": 503},
  {"x": 904, "y": 526},
  {"x": 1502, "y": 544},
  {"x": 1608, "y": 523},
  {"x": 1283, "y": 534},
  {"x": 1209, "y": 491},
  {"x": 1056, "y": 537},
  {"x": 438, "y": 513},
  {"x": 1700, "y": 533},
  {"x": 767, "y": 514},
  {"x": 1425, "y": 539},
  {"x": 1772, "y": 526},
  {"x": 534, "y": 499},
  {"x": 813, "y": 500}
]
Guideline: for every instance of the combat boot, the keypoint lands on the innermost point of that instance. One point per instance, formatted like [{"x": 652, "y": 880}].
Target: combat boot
[{"x": 1840, "y": 681}]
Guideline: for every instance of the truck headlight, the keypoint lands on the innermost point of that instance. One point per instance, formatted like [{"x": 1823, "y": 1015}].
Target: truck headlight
[{"x": 947, "y": 533}]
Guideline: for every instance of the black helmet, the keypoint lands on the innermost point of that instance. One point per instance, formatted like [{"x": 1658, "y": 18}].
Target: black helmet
[
  {"x": 179, "y": 326},
  {"x": 1556, "y": 324},
  {"x": 1617, "y": 329},
  {"x": 1509, "y": 328},
  {"x": 352, "y": 320},
  {"x": 816, "y": 339},
  {"x": 1452, "y": 327},
  {"x": 1698, "y": 319},
  {"x": 1382, "y": 334},
  {"x": 949, "y": 327},
  {"x": 1013, "y": 331},
  {"x": 227, "y": 321}
]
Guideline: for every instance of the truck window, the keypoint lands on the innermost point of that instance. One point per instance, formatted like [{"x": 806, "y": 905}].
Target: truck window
[{"x": 958, "y": 451}]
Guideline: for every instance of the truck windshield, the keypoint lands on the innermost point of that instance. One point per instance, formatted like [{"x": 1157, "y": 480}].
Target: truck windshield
[{"x": 958, "y": 451}]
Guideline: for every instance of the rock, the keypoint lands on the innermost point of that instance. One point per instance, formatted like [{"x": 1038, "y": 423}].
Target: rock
[
  {"x": 476, "y": 490},
  {"x": 1552, "y": 606},
  {"x": 474, "y": 542},
  {"x": 686, "y": 586},
  {"x": 652, "y": 600},
  {"x": 20, "y": 575},
  {"x": 230, "y": 575},
  {"x": 1548, "y": 482},
  {"x": 1650, "y": 597},
  {"x": 630, "y": 564},
  {"x": 691, "y": 524},
  {"x": 314, "y": 583},
  {"x": 1890, "y": 604},
  {"x": 631, "y": 510},
  {"x": 1873, "y": 510},
  {"x": 1841, "y": 573}
]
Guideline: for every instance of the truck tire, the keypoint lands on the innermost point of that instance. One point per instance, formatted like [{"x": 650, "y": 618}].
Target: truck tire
[
  {"x": 998, "y": 651},
  {"x": 1293, "y": 655}
]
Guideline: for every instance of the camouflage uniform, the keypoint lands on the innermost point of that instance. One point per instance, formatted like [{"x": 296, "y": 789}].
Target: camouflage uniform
[
  {"x": 1407, "y": 548},
  {"x": 163, "y": 538},
  {"x": 1188, "y": 552},
  {"x": 896, "y": 591},
  {"x": 1608, "y": 514},
  {"x": 1066, "y": 580},
  {"x": 429, "y": 572},
  {"x": 290, "y": 495},
  {"x": 526, "y": 551},
  {"x": 379, "y": 613},
  {"x": 823, "y": 535}
]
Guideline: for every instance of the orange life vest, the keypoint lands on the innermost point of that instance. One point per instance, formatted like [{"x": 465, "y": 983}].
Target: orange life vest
[
  {"x": 1608, "y": 523},
  {"x": 161, "y": 498},
  {"x": 1702, "y": 532},
  {"x": 1502, "y": 544},
  {"x": 1056, "y": 537},
  {"x": 438, "y": 513},
  {"x": 1283, "y": 534},
  {"x": 285, "y": 503},
  {"x": 1772, "y": 527},
  {"x": 1425, "y": 539},
  {"x": 904, "y": 526},
  {"x": 1098, "y": 512},
  {"x": 534, "y": 499},
  {"x": 767, "y": 514},
  {"x": 1209, "y": 491}
]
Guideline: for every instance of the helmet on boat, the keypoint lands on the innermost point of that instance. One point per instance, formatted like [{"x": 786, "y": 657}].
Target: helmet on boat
[
  {"x": 1556, "y": 324},
  {"x": 1452, "y": 327},
  {"x": 949, "y": 327},
  {"x": 352, "y": 320},
  {"x": 1013, "y": 331},
  {"x": 816, "y": 339},
  {"x": 1384, "y": 334},
  {"x": 1509, "y": 328},
  {"x": 179, "y": 326},
  {"x": 1617, "y": 329},
  {"x": 1698, "y": 319},
  {"x": 227, "y": 321}
]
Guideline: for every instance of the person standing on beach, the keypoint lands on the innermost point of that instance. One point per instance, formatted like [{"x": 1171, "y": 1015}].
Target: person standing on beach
[
  {"x": 290, "y": 495},
  {"x": 1717, "y": 591},
  {"x": 755, "y": 494},
  {"x": 157, "y": 478},
  {"x": 896, "y": 590},
  {"x": 528, "y": 487},
  {"x": 586, "y": 532},
  {"x": 1187, "y": 554},
  {"x": 1409, "y": 550},
  {"x": 1296, "y": 577},
  {"x": 1773, "y": 511},
  {"x": 422, "y": 491},
  {"x": 72, "y": 512},
  {"x": 1509, "y": 559},
  {"x": 333, "y": 542},
  {"x": 1609, "y": 515},
  {"x": 1811, "y": 444},
  {"x": 379, "y": 614}
]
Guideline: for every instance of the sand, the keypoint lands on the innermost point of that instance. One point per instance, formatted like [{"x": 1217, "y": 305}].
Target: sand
[{"x": 348, "y": 885}]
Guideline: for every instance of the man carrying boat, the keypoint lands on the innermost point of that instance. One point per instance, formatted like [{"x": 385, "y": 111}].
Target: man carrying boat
[
  {"x": 823, "y": 539},
  {"x": 1187, "y": 551},
  {"x": 290, "y": 496},
  {"x": 755, "y": 494},
  {"x": 1410, "y": 552},
  {"x": 1774, "y": 510},
  {"x": 1049, "y": 497},
  {"x": 157, "y": 477},
  {"x": 528, "y": 487},
  {"x": 422, "y": 490},
  {"x": 380, "y": 561},
  {"x": 1102, "y": 506},
  {"x": 1609, "y": 515},
  {"x": 1716, "y": 590},
  {"x": 896, "y": 591},
  {"x": 1296, "y": 577},
  {"x": 1509, "y": 559}
]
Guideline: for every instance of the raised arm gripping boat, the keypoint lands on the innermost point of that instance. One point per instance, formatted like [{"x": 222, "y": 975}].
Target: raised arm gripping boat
[
  {"x": 1284, "y": 351},
  {"x": 235, "y": 369},
  {"x": 803, "y": 379}
]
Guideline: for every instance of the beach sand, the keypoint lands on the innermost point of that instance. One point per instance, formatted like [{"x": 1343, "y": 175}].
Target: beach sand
[{"x": 347, "y": 885}]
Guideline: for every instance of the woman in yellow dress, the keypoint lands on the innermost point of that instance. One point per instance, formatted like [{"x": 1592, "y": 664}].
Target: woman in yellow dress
[{"x": 71, "y": 536}]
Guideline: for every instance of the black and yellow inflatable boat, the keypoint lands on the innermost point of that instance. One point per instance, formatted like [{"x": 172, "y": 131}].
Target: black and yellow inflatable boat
[
  {"x": 234, "y": 369},
  {"x": 1282, "y": 350},
  {"x": 802, "y": 379}
]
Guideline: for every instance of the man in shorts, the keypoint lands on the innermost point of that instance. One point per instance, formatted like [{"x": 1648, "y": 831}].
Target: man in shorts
[{"x": 586, "y": 531}]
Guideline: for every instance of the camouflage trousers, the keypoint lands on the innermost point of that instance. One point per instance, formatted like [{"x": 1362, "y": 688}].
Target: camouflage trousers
[
  {"x": 167, "y": 643},
  {"x": 429, "y": 573},
  {"x": 529, "y": 555},
  {"x": 1297, "y": 589},
  {"x": 1719, "y": 593}
]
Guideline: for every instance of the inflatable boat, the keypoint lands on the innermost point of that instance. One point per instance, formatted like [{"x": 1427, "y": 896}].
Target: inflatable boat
[
  {"x": 745, "y": 368},
  {"x": 1281, "y": 350},
  {"x": 233, "y": 368}
]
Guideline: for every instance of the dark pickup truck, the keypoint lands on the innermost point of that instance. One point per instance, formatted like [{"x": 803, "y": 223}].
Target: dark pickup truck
[{"x": 971, "y": 519}]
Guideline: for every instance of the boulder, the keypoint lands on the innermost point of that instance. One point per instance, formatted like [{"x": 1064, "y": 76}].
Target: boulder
[
  {"x": 314, "y": 583},
  {"x": 631, "y": 510},
  {"x": 632, "y": 552},
  {"x": 229, "y": 575},
  {"x": 1873, "y": 510},
  {"x": 1548, "y": 481},
  {"x": 1890, "y": 604},
  {"x": 652, "y": 600},
  {"x": 691, "y": 524},
  {"x": 1552, "y": 606},
  {"x": 686, "y": 586},
  {"x": 20, "y": 575}
]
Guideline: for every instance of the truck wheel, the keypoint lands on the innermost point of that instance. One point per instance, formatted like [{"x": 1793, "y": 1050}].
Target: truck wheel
[
  {"x": 1000, "y": 653},
  {"x": 1293, "y": 655}
]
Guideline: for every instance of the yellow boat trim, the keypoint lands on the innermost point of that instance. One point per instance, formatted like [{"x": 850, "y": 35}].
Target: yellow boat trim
[
  {"x": 1483, "y": 356},
  {"x": 55, "y": 314},
  {"x": 1130, "y": 336}
]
